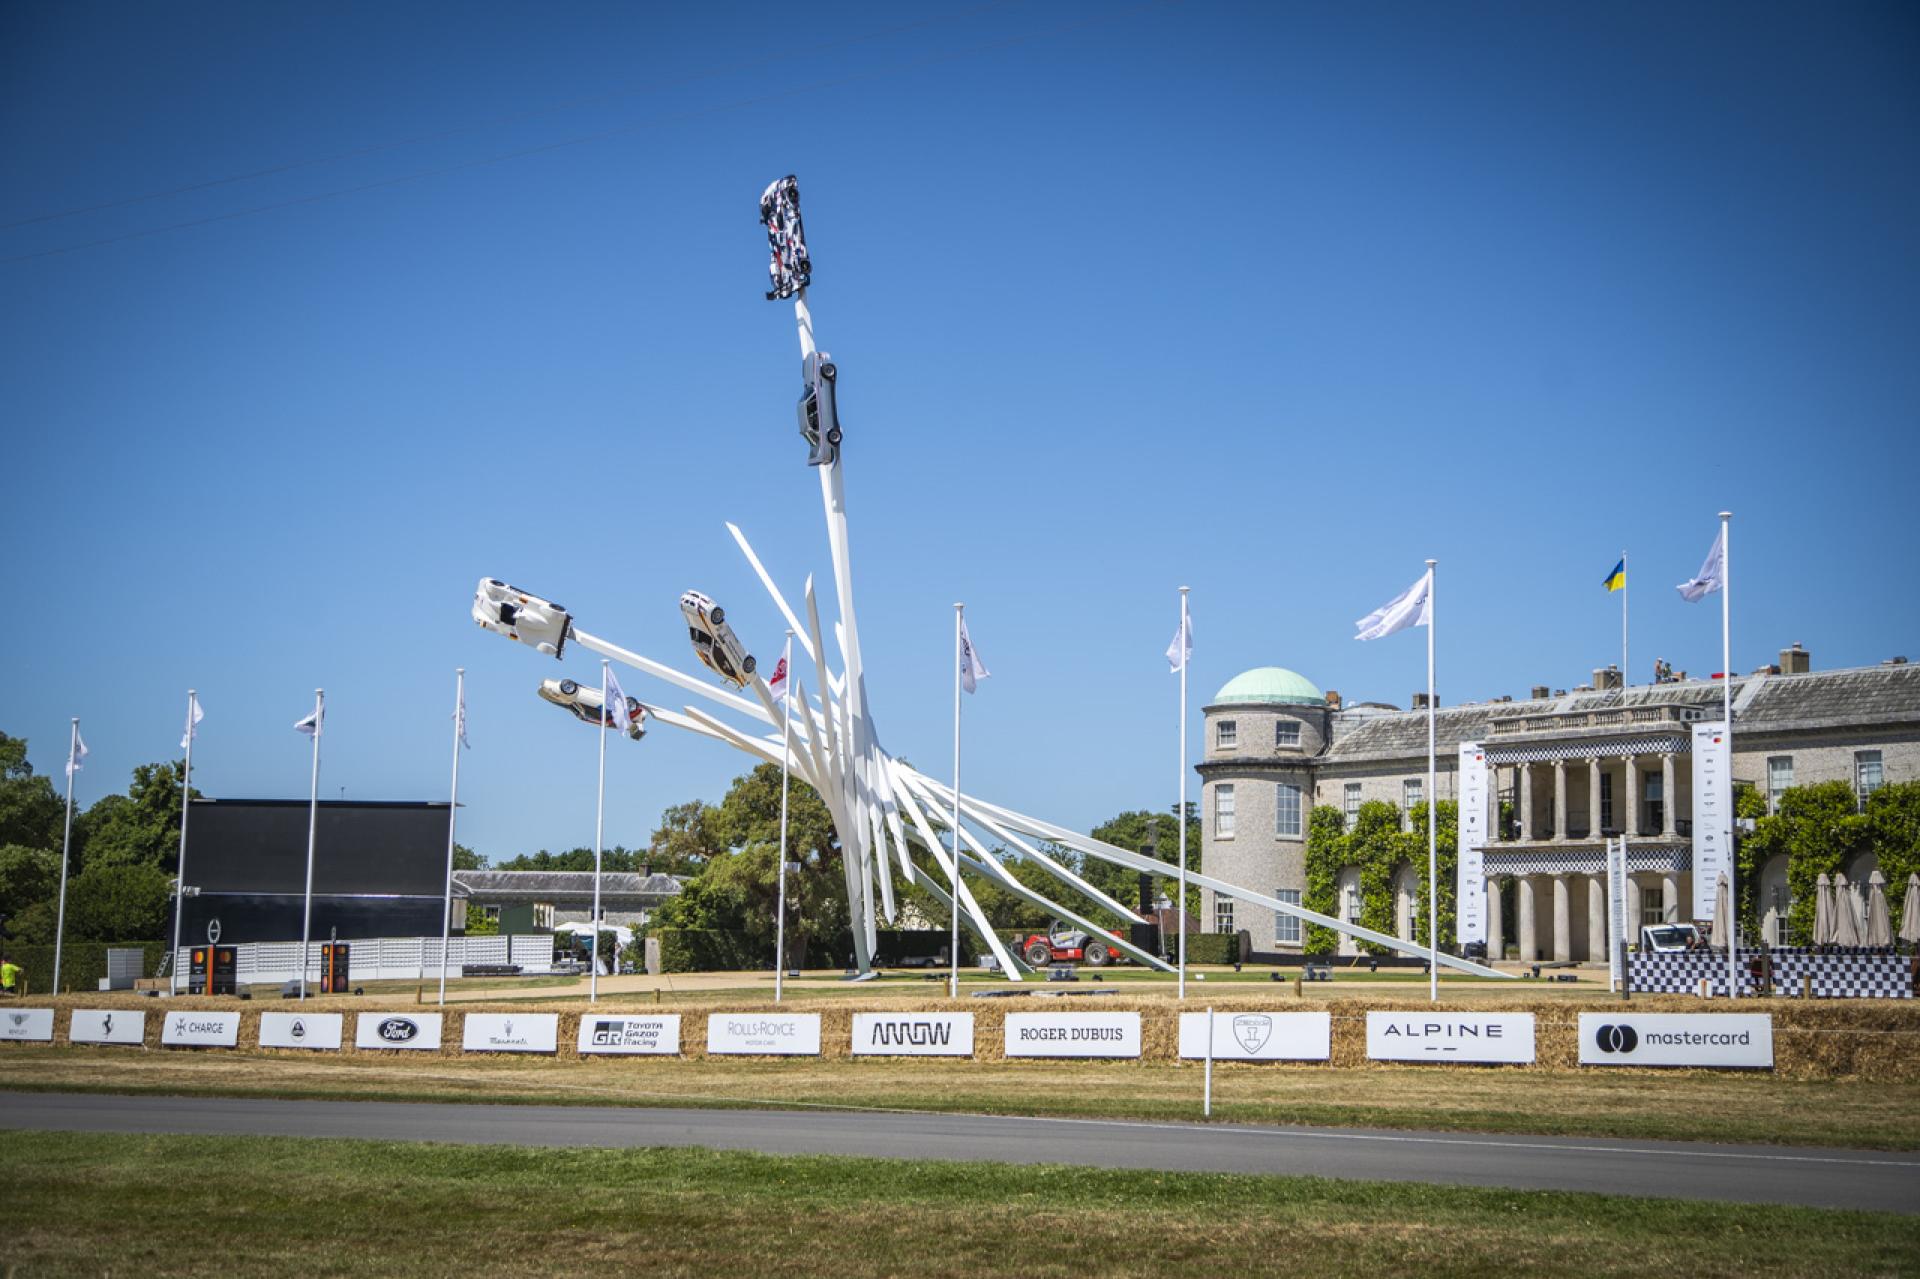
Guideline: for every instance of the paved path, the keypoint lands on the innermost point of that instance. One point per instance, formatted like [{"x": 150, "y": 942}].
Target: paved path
[{"x": 1886, "y": 1182}]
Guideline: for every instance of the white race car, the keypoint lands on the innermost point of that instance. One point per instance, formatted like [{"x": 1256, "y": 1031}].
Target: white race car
[
  {"x": 714, "y": 641},
  {"x": 512, "y": 612},
  {"x": 585, "y": 704}
]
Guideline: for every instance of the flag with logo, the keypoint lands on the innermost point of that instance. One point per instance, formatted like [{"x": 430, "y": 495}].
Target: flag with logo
[
  {"x": 1412, "y": 607},
  {"x": 1616, "y": 580},
  {"x": 615, "y": 714},
  {"x": 972, "y": 669},
  {"x": 1713, "y": 572},
  {"x": 460, "y": 718},
  {"x": 78, "y": 759},
  {"x": 1182, "y": 647},
  {"x": 310, "y": 725},
  {"x": 778, "y": 684}
]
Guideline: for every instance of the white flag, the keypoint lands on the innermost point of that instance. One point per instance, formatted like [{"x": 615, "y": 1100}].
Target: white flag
[
  {"x": 1182, "y": 647},
  {"x": 311, "y": 724},
  {"x": 972, "y": 669},
  {"x": 77, "y": 760},
  {"x": 614, "y": 714},
  {"x": 460, "y": 719},
  {"x": 194, "y": 716},
  {"x": 1412, "y": 607},
  {"x": 1713, "y": 573}
]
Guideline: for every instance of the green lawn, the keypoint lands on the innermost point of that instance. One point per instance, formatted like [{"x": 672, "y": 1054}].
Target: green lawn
[{"x": 86, "y": 1204}]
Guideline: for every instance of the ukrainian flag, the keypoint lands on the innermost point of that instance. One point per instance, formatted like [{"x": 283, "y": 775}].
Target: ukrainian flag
[{"x": 1617, "y": 578}]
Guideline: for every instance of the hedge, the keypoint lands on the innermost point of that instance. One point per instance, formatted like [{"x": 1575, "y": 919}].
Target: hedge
[{"x": 83, "y": 964}]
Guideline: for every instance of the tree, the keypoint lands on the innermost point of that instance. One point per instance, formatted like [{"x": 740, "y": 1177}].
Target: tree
[
  {"x": 478, "y": 925},
  {"x": 140, "y": 828},
  {"x": 32, "y": 813},
  {"x": 1378, "y": 848},
  {"x": 27, "y": 876},
  {"x": 1137, "y": 831},
  {"x": 465, "y": 858},
  {"x": 683, "y": 844},
  {"x": 1820, "y": 830},
  {"x": 116, "y": 903}
]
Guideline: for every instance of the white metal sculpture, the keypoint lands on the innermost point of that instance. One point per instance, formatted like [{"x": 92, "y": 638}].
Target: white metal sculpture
[{"x": 880, "y": 808}]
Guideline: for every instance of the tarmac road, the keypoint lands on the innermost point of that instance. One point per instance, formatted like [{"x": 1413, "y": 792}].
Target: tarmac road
[{"x": 1811, "y": 1176}]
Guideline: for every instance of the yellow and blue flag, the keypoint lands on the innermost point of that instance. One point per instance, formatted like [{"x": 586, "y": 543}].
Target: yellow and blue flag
[{"x": 1617, "y": 578}]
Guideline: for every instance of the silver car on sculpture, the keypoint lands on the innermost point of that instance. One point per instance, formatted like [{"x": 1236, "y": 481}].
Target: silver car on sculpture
[
  {"x": 583, "y": 701},
  {"x": 714, "y": 641}
]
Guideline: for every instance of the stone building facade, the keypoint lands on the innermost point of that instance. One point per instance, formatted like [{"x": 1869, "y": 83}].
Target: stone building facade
[{"x": 1566, "y": 769}]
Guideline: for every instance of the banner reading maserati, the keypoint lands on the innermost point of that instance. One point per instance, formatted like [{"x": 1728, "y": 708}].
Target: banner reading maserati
[
  {"x": 913, "y": 1034},
  {"x": 767, "y": 1033},
  {"x": 317, "y": 1031},
  {"x": 1073, "y": 1035},
  {"x": 1470, "y": 892},
  {"x": 655, "y": 1033},
  {"x": 94, "y": 1026},
  {"x": 1484, "y": 1038},
  {"x": 27, "y": 1025},
  {"x": 200, "y": 1030},
  {"x": 417, "y": 1031},
  {"x": 1258, "y": 1036},
  {"x": 1727, "y": 1040},
  {"x": 510, "y": 1033},
  {"x": 1712, "y": 812}
]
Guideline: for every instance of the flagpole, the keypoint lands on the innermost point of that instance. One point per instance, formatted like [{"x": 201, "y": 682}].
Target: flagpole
[
  {"x": 66, "y": 848},
  {"x": 453, "y": 810},
  {"x": 1181, "y": 813},
  {"x": 599, "y": 823},
  {"x": 1626, "y": 671},
  {"x": 313, "y": 820},
  {"x": 1726, "y": 694},
  {"x": 1433, "y": 834},
  {"x": 180, "y": 869},
  {"x": 786, "y": 768},
  {"x": 953, "y": 944}
]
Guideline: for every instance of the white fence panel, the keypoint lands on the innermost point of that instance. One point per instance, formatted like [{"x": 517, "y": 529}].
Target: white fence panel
[{"x": 386, "y": 958}]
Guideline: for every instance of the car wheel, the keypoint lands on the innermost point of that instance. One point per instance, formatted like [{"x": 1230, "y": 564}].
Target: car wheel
[
  {"x": 568, "y": 688},
  {"x": 717, "y": 616},
  {"x": 1097, "y": 955},
  {"x": 1038, "y": 955},
  {"x": 748, "y": 665},
  {"x": 833, "y": 437},
  {"x": 828, "y": 372}
]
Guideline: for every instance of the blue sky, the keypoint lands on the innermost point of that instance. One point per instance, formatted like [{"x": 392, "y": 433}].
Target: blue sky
[{"x": 1274, "y": 301}]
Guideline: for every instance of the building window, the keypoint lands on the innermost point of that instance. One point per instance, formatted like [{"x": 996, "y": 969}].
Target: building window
[
  {"x": 1653, "y": 904},
  {"x": 1412, "y": 795},
  {"x": 1286, "y": 733},
  {"x": 1286, "y": 811},
  {"x": 1779, "y": 779},
  {"x": 1226, "y": 734},
  {"x": 1352, "y": 803},
  {"x": 1867, "y": 775},
  {"x": 1606, "y": 801},
  {"x": 1286, "y": 928},
  {"x": 1222, "y": 914},
  {"x": 1223, "y": 812},
  {"x": 1653, "y": 805},
  {"x": 543, "y": 915},
  {"x": 490, "y": 913}
]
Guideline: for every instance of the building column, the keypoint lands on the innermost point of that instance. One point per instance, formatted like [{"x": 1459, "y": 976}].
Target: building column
[
  {"x": 1671, "y": 883},
  {"x": 1496, "y": 940},
  {"x": 1523, "y": 899},
  {"x": 1596, "y": 918},
  {"x": 1633, "y": 910},
  {"x": 1629, "y": 774},
  {"x": 1562, "y": 920},
  {"x": 1593, "y": 798},
  {"x": 1526, "y": 801},
  {"x": 1560, "y": 799},
  {"x": 1667, "y": 806}
]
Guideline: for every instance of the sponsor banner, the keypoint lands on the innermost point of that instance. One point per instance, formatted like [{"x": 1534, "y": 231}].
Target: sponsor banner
[
  {"x": 32, "y": 1025},
  {"x": 511, "y": 1033},
  {"x": 1616, "y": 912},
  {"x": 397, "y": 1030},
  {"x": 1073, "y": 1035},
  {"x": 1258, "y": 1036},
  {"x": 656, "y": 1033},
  {"x": 1712, "y": 812},
  {"x": 1471, "y": 1037},
  {"x": 200, "y": 1030},
  {"x": 795, "y": 1033},
  {"x": 1470, "y": 894},
  {"x": 1737, "y": 1040},
  {"x": 318, "y": 1031},
  {"x": 92, "y": 1026},
  {"x": 913, "y": 1034}
]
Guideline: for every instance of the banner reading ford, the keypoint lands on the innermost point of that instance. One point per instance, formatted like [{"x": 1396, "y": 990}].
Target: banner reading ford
[{"x": 416, "y": 1031}]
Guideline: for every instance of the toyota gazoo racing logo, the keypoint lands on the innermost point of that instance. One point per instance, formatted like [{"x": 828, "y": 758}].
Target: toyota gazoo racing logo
[
  {"x": 1616, "y": 1039},
  {"x": 398, "y": 1030}
]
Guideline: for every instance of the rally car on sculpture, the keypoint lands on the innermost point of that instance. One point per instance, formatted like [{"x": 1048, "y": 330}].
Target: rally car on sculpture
[
  {"x": 585, "y": 705},
  {"x": 819, "y": 410},
  {"x": 520, "y": 615},
  {"x": 791, "y": 268},
  {"x": 714, "y": 641}
]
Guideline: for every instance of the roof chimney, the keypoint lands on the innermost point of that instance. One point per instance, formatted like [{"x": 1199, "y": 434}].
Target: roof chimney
[
  {"x": 1795, "y": 660},
  {"x": 1539, "y": 692},
  {"x": 1607, "y": 677},
  {"x": 1420, "y": 702},
  {"x": 1895, "y": 661},
  {"x": 1333, "y": 699}
]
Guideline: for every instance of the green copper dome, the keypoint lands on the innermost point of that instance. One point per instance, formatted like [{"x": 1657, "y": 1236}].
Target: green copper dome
[{"x": 1269, "y": 686}]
